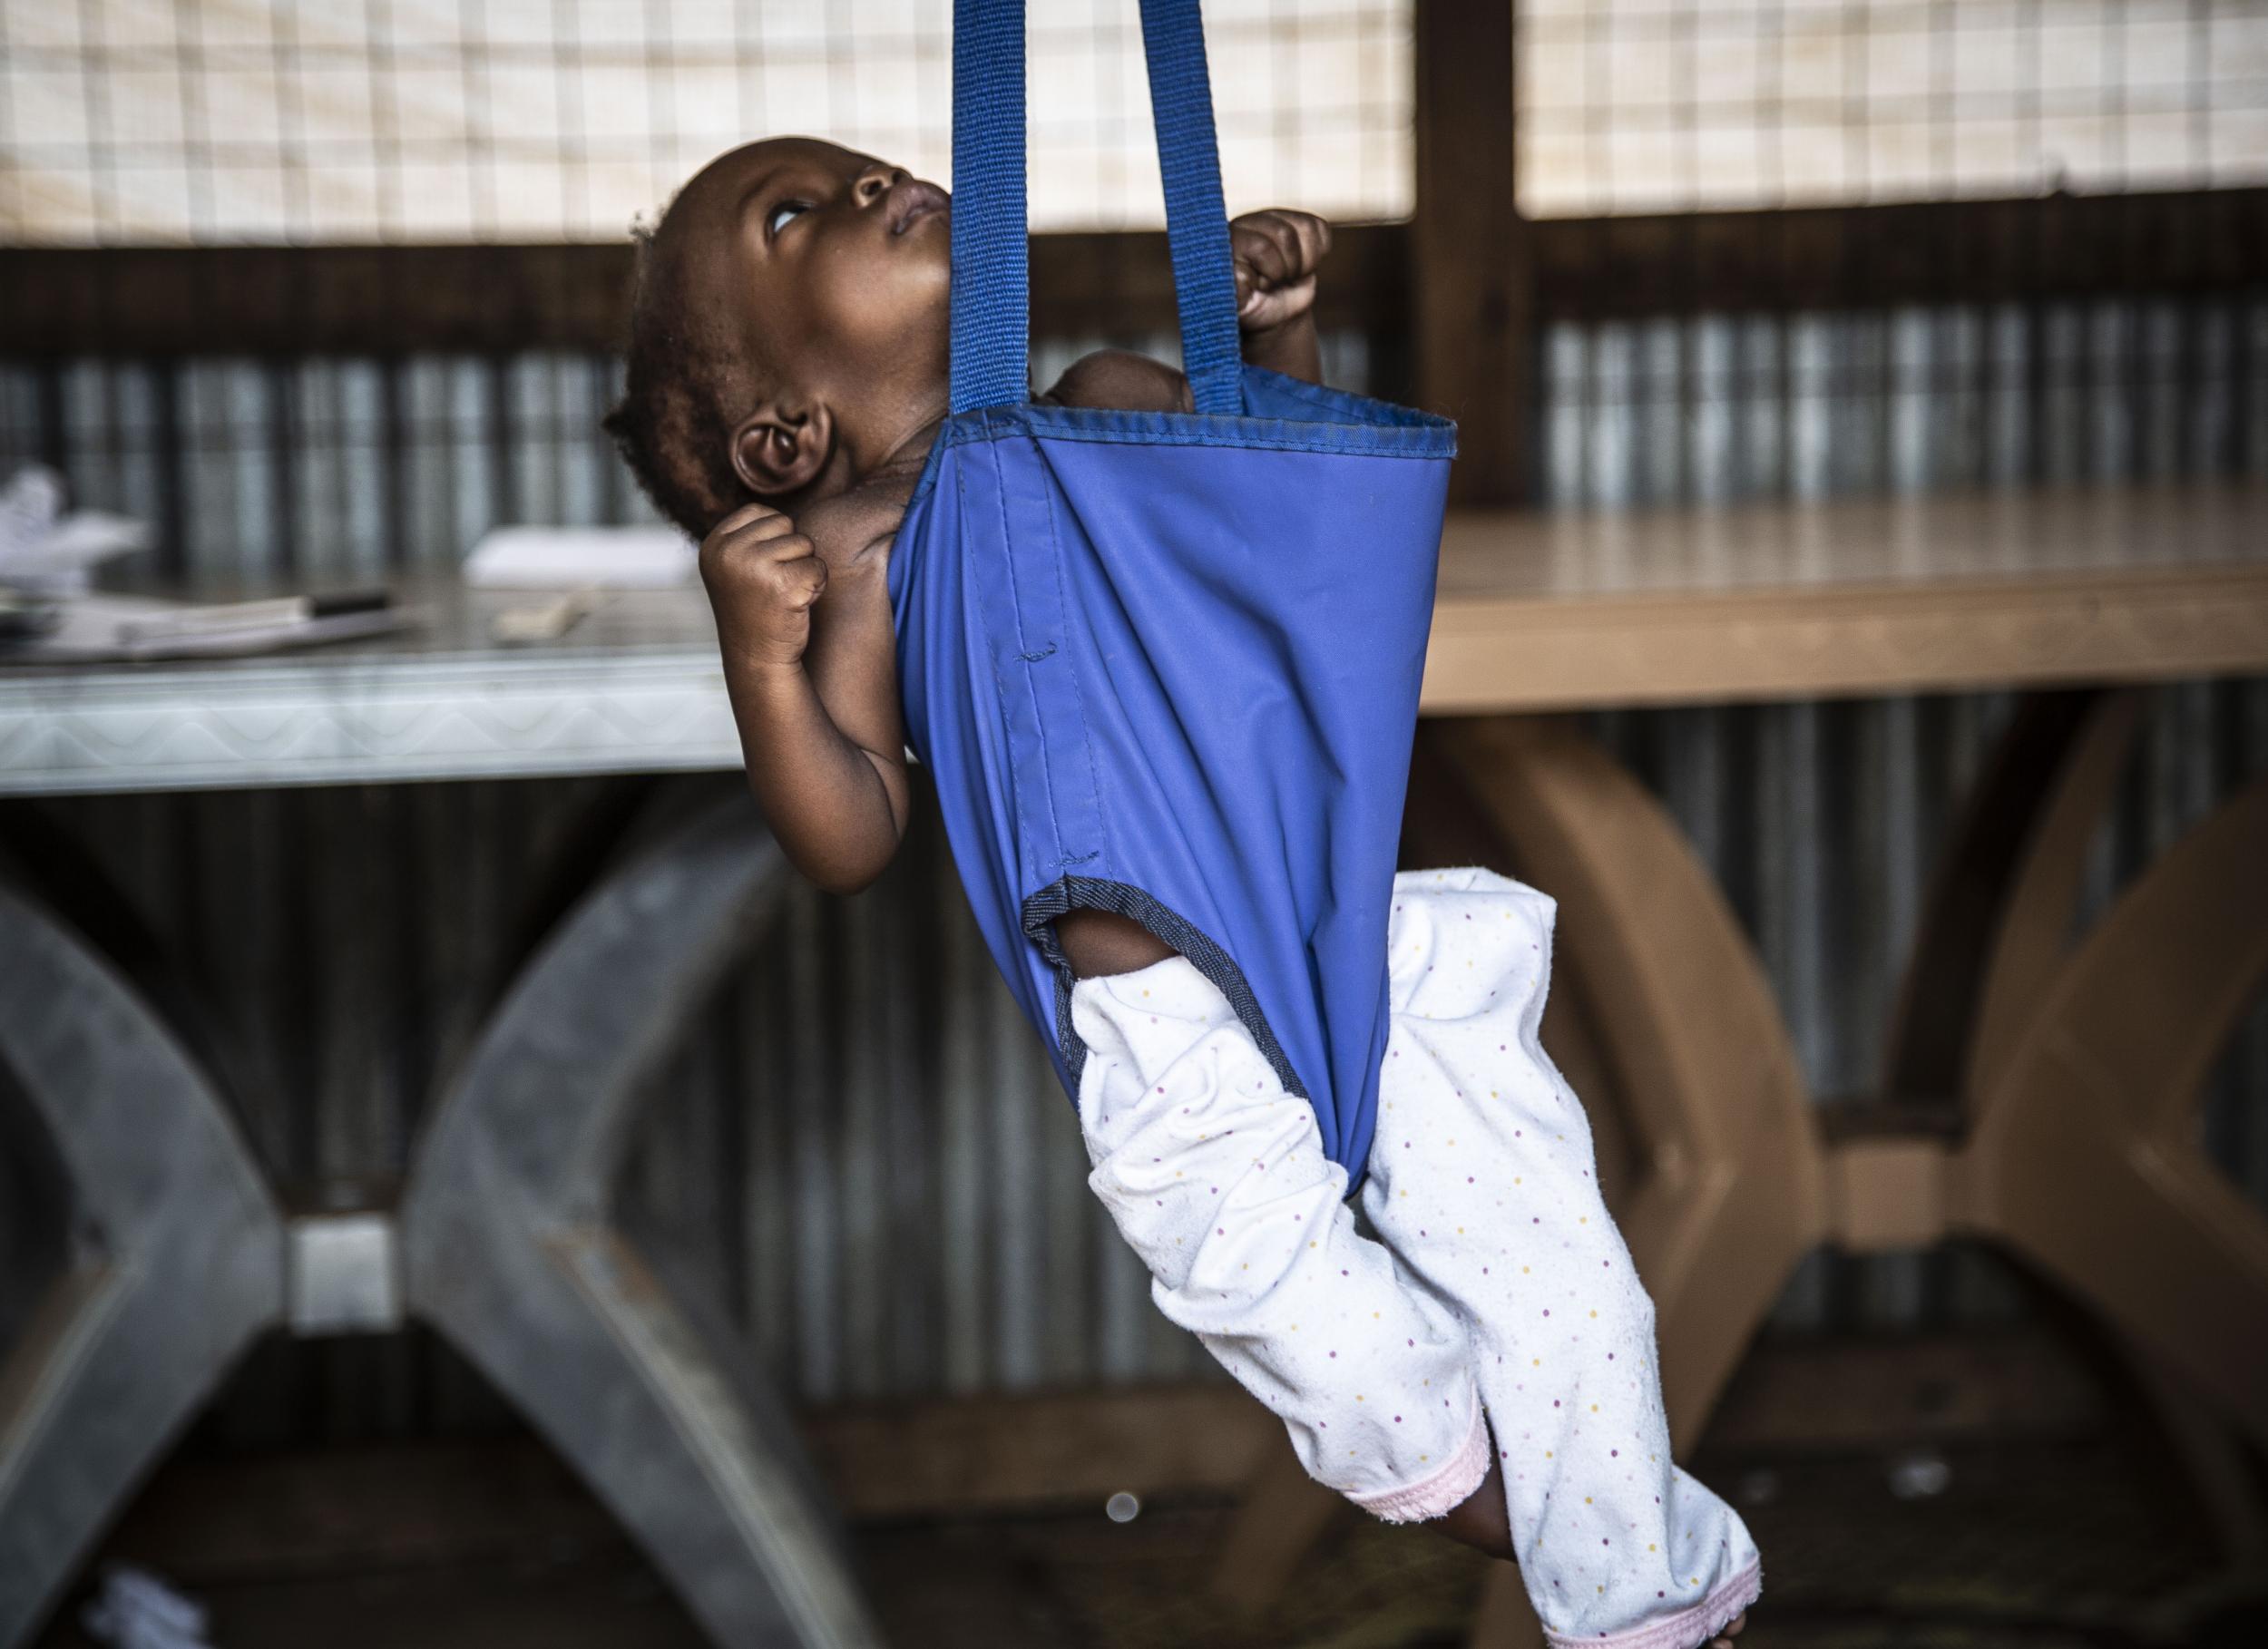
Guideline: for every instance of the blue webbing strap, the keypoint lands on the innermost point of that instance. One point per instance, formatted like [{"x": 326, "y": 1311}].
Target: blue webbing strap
[
  {"x": 1197, "y": 223},
  {"x": 992, "y": 254},
  {"x": 991, "y": 269}
]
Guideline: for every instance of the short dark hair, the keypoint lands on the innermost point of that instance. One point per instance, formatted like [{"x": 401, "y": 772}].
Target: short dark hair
[{"x": 688, "y": 375}]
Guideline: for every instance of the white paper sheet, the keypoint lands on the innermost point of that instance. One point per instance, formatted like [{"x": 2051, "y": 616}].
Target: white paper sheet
[{"x": 581, "y": 558}]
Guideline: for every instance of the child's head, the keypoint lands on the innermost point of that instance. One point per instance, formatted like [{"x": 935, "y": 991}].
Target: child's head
[{"x": 789, "y": 311}]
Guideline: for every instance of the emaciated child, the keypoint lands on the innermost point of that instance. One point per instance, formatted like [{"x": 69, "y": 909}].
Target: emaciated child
[{"x": 1485, "y": 1361}]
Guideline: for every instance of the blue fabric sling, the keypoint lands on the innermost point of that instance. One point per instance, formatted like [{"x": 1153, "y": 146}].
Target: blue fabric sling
[{"x": 1167, "y": 664}]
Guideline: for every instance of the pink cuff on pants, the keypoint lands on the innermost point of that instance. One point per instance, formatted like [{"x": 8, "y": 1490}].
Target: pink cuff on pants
[
  {"x": 1687, "y": 1629},
  {"x": 1444, "y": 1490}
]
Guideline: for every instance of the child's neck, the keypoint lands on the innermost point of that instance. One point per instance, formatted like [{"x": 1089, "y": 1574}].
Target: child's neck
[
  {"x": 894, "y": 448},
  {"x": 898, "y": 408}
]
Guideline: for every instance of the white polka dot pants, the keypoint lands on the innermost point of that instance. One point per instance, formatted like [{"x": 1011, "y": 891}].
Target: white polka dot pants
[{"x": 1497, "y": 1282}]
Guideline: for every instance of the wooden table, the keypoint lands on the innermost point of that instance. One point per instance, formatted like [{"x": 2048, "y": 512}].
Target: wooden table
[
  {"x": 2043, "y": 1096},
  {"x": 1771, "y": 601},
  {"x": 2039, "y": 1093}
]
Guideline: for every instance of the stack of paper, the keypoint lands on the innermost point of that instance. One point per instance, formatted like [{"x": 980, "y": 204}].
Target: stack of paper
[{"x": 88, "y": 629}]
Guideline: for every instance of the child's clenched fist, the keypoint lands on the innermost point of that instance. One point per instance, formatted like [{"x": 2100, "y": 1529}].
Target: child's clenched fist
[
  {"x": 1275, "y": 254},
  {"x": 762, "y": 577}
]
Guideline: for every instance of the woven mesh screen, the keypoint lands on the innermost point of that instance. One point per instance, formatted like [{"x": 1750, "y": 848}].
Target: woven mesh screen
[
  {"x": 1654, "y": 105},
  {"x": 134, "y": 120}
]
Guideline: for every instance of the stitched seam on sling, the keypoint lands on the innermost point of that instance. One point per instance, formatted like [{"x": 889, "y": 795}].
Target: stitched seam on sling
[
  {"x": 1383, "y": 446},
  {"x": 1124, "y": 899},
  {"x": 1000, "y": 686},
  {"x": 1031, "y": 694},
  {"x": 1078, "y": 691},
  {"x": 1347, "y": 439}
]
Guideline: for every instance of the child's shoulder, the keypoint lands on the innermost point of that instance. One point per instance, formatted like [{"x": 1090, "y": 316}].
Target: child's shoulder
[
  {"x": 1122, "y": 380},
  {"x": 846, "y": 526}
]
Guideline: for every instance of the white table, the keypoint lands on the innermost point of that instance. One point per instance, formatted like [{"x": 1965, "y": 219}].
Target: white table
[
  {"x": 503, "y": 1237},
  {"x": 634, "y": 688}
]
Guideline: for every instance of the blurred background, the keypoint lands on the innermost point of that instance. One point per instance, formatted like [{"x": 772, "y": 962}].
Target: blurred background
[{"x": 321, "y": 295}]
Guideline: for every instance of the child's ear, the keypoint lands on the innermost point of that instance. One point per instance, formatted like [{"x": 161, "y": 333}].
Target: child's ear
[{"x": 779, "y": 449}]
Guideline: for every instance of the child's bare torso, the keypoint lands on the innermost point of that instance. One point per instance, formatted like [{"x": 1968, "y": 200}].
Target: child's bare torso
[{"x": 852, "y": 532}]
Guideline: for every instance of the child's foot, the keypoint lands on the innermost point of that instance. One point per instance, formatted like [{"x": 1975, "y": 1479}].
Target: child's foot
[{"x": 1724, "y": 1640}]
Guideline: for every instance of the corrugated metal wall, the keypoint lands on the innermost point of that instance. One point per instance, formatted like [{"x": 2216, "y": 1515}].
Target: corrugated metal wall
[{"x": 863, "y": 1147}]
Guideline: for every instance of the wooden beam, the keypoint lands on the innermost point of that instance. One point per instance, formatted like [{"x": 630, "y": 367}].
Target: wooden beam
[
  {"x": 270, "y": 300},
  {"x": 1939, "y": 251},
  {"x": 399, "y": 1504},
  {"x": 274, "y": 300},
  {"x": 1470, "y": 289},
  {"x": 216, "y": 1518},
  {"x": 998, "y": 1452}
]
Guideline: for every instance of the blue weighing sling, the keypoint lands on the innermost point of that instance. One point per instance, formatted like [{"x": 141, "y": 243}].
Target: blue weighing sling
[{"x": 1167, "y": 664}]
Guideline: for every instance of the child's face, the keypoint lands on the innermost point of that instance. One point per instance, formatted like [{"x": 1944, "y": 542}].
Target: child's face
[{"x": 840, "y": 264}]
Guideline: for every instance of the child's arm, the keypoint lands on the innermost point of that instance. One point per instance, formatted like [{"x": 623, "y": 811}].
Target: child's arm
[
  {"x": 816, "y": 705},
  {"x": 1276, "y": 254}
]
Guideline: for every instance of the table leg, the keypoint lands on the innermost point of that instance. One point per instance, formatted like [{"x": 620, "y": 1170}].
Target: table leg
[
  {"x": 1283, "y": 1513},
  {"x": 1999, "y": 906},
  {"x": 1997, "y": 929},
  {"x": 2043, "y": 896},
  {"x": 2084, "y": 1154},
  {"x": 509, "y": 1248},
  {"x": 180, "y": 1260},
  {"x": 1730, "y": 1192}
]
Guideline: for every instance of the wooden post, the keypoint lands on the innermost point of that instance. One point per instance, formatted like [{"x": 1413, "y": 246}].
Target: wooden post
[{"x": 1472, "y": 294}]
